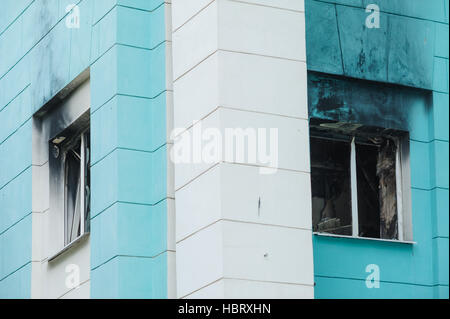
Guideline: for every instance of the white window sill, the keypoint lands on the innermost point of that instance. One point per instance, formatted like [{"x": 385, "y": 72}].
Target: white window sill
[
  {"x": 365, "y": 238},
  {"x": 74, "y": 243}
]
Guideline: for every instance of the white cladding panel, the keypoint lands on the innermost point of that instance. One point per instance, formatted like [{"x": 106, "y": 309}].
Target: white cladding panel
[{"x": 240, "y": 233}]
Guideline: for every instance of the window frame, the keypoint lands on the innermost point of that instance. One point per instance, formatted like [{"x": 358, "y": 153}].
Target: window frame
[
  {"x": 63, "y": 138},
  {"x": 84, "y": 227},
  {"x": 403, "y": 185}
]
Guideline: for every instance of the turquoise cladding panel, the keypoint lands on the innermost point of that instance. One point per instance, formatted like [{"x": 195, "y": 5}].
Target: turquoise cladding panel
[
  {"x": 338, "y": 42},
  {"x": 131, "y": 277},
  {"x": 409, "y": 50},
  {"x": 123, "y": 42},
  {"x": 129, "y": 155},
  {"x": 141, "y": 229},
  {"x": 326, "y": 288},
  {"x": 15, "y": 212}
]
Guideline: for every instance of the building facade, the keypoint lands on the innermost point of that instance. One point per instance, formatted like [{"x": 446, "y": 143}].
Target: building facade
[{"x": 98, "y": 99}]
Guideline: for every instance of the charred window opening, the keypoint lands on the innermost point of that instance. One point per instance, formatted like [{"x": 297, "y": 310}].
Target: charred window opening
[
  {"x": 70, "y": 168},
  {"x": 61, "y": 147},
  {"x": 331, "y": 192},
  {"x": 377, "y": 189},
  {"x": 355, "y": 181}
]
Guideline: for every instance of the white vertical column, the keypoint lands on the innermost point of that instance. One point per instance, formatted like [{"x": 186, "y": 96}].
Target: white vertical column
[
  {"x": 171, "y": 247},
  {"x": 240, "y": 233}
]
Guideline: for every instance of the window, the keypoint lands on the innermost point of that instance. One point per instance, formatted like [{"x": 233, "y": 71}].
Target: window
[
  {"x": 70, "y": 168},
  {"x": 61, "y": 170},
  {"x": 357, "y": 180},
  {"x": 76, "y": 186}
]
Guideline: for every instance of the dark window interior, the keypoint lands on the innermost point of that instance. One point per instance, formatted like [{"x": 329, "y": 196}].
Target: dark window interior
[
  {"x": 368, "y": 198},
  {"x": 331, "y": 193}
]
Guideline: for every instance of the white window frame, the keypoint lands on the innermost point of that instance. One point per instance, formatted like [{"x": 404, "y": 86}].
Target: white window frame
[
  {"x": 83, "y": 231},
  {"x": 59, "y": 194}
]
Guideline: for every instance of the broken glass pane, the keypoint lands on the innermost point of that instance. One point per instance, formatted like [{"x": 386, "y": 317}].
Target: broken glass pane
[{"x": 330, "y": 183}]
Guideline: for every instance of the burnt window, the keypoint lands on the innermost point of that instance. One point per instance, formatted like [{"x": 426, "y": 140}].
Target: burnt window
[
  {"x": 70, "y": 168},
  {"x": 356, "y": 181}
]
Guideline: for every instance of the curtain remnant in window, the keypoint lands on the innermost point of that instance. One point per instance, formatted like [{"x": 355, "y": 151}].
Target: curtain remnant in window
[{"x": 386, "y": 173}]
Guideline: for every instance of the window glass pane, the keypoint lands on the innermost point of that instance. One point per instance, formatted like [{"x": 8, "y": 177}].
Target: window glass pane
[
  {"x": 72, "y": 193},
  {"x": 330, "y": 183}
]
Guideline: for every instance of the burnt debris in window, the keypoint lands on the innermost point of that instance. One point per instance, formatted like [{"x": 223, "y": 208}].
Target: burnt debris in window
[
  {"x": 376, "y": 179},
  {"x": 330, "y": 178},
  {"x": 386, "y": 173}
]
